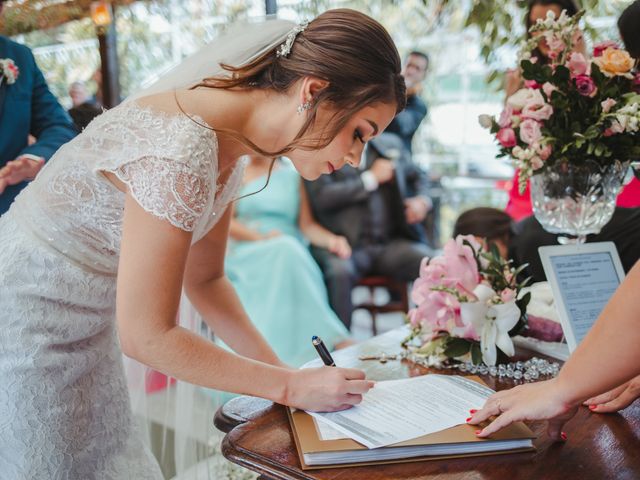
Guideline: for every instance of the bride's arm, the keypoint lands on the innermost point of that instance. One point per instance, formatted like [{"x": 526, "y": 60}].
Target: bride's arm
[
  {"x": 215, "y": 298},
  {"x": 152, "y": 262}
]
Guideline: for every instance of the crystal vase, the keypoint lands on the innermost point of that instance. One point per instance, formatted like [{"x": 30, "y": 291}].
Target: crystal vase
[{"x": 576, "y": 200}]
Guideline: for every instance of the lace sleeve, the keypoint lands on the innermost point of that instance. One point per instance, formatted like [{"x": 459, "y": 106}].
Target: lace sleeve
[{"x": 170, "y": 190}]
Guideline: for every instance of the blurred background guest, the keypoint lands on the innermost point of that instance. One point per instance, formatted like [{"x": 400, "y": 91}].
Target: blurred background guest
[
  {"x": 369, "y": 206},
  {"x": 270, "y": 266},
  {"x": 83, "y": 108}
]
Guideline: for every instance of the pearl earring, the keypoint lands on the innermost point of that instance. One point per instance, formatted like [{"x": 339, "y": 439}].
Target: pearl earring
[{"x": 303, "y": 107}]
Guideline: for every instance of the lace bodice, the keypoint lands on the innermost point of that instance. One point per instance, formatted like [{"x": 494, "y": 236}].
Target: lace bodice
[{"x": 168, "y": 162}]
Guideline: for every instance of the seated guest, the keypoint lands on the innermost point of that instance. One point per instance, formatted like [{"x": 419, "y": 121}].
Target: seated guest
[
  {"x": 406, "y": 123},
  {"x": 520, "y": 241},
  {"x": 83, "y": 109},
  {"x": 269, "y": 265},
  {"x": 379, "y": 209}
]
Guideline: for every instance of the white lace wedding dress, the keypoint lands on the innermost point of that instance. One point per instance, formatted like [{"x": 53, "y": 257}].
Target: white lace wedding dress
[{"x": 64, "y": 406}]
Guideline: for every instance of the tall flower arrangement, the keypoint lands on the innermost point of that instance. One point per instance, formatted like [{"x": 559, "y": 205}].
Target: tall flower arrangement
[
  {"x": 467, "y": 304},
  {"x": 571, "y": 109}
]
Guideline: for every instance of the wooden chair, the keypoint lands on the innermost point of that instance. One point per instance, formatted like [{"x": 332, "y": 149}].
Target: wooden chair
[{"x": 395, "y": 288}]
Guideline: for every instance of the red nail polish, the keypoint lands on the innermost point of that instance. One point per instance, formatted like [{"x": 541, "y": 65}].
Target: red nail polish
[
  {"x": 478, "y": 432},
  {"x": 472, "y": 411},
  {"x": 592, "y": 407},
  {"x": 563, "y": 436},
  {"x": 468, "y": 419}
]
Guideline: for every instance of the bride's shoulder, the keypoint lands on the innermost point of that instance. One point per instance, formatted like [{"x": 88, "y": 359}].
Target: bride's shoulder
[{"x": 140, "y": 124}]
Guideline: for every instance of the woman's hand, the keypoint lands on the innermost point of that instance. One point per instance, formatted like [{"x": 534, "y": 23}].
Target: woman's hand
[
  {"x": 270, "y": 234},
  {"x": 339, "y": 245},
  {"x": 18, "y": 170},
  {"x": 535, "y": 401},
  {"x": 616, "y": 399},
  {"x": 326, "y": 389}
]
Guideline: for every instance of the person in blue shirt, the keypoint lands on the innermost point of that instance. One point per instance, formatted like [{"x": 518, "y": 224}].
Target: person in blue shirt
[{"x": 27, "y": 107}]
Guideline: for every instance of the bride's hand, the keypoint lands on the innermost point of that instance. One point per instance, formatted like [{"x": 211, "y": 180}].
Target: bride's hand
[
  {"x": 18, "y": 170},
  {"x": 535, "y": 401},
  {"x": 326, "y": 389}
]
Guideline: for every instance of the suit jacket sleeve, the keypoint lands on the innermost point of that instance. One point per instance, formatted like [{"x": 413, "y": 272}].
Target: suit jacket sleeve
[
  {"x": 330, "y": 192},
  {"x": 407, "y": 121},
  {"x": 50, "y": 124},
  {"x": 417, "y": 180}
]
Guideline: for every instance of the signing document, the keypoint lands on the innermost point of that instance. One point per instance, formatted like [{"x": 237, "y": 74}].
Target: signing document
[{"x": 398, "y": 410}]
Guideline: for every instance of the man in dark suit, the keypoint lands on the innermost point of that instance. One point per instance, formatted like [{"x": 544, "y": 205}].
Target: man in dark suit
[
  {"x": 407, "y": 122},
  {"x": 378, "y": 208},
  {"x": 26, "y": 107}
]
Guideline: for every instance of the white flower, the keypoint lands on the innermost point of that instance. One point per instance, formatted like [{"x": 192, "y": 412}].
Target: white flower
[
  {"x": 486, "y": 121},
  {"x": 492, "y": 321},
  {"x": 521, "y": 98}
]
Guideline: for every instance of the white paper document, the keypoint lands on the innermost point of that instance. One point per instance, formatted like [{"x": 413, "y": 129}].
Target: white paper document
[{"x": 398, "y": 410}]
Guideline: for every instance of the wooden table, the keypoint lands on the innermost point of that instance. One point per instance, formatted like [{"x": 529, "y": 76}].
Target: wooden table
[{"x": 598, "y": 447}]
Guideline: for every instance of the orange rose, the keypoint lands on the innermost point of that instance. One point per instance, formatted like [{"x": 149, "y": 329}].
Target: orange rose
[{"x": 614, "y": 62}]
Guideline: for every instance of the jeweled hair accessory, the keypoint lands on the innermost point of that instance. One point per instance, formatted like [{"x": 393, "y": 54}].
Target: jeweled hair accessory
[{"x": 285, "y": 48}]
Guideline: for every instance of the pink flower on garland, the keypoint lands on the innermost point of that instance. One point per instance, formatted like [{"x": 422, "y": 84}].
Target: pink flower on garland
[{"x": 8, "y": 71}]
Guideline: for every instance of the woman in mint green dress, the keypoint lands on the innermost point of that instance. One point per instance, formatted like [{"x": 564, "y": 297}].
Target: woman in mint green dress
[{"x": 268, "y": 262}]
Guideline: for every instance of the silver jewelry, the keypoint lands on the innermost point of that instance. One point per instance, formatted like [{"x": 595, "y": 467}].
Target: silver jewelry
[
  {"x": 304, "y": 107},
  {"x": 285, "y": 48}
]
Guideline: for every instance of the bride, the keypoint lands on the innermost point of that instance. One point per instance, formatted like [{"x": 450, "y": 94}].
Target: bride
[{"x": 96, "y": 251}]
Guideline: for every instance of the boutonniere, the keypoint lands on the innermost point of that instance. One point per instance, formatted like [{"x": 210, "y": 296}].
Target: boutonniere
[{"x": 8, "y": 71}]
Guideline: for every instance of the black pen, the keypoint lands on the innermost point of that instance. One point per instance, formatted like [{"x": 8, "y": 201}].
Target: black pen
[{"x": 322, "y": 351}]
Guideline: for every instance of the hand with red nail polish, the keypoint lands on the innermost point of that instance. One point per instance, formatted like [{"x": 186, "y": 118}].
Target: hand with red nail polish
[
  {"x": 535, "y": 401},
  {"x": 616, "y": 399}
]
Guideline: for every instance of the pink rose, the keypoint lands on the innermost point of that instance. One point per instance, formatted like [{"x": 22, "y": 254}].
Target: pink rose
[
  {"x": 507, "y": 137},
  {"x": 548, "y": 89},
  {"x": 505, "y": 117},
  {"x": 535, "y": 107},
  {"x": 530, "y": 132},
  {"x": 532, "y": 84},
  {"x": 536, "y": 164},
  {"x": 607, "y": 104},
  {"x": 578, "y": 65},
  {"x": 538, "y": 112},
  {"x": 602, "y": 46},
  {"x": 585, "y": 86},
  {"x": 608, "y": 132}
]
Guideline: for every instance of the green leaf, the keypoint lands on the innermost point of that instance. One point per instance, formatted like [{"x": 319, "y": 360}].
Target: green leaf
[
  {"x": 457, "y": 347},
  {"x": 476, "y": 354}
]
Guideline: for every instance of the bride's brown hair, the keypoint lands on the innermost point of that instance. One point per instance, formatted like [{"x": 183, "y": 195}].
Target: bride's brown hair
[{"x": 346, "y": 48}]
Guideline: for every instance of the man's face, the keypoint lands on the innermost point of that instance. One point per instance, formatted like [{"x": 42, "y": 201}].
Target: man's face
[{"x": 415, "y": 69}]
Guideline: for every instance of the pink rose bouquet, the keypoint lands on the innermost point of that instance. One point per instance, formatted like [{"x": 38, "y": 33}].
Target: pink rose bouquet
[
  {"x": 571, "y": 109},
  {"x": 467, "y": 304}
]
